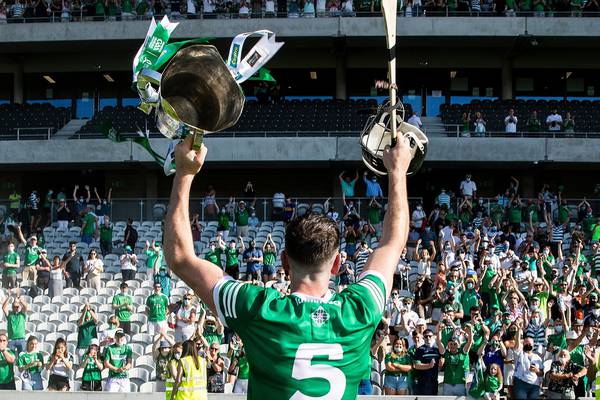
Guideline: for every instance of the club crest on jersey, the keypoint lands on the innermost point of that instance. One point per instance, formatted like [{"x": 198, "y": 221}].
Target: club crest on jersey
[{"x": 319, "y": 316}]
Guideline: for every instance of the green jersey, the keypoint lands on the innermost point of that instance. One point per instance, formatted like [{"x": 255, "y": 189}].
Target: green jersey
[
  {"x": 456, "y": 367},
  {"x": 244, "y": 368},
  {"x": 118, "y": 356},
  {"x": 106, "y": 233},
  {"x": 7, "y": 374},
  {"x": 396, "y": 360},
  {"x": 315, "y": 344},
  {"x": 374, "y": 215},
  {"x": 241, "y": 217},
  {"x": 11, "y": 258},
  {"x": 122, "y": 301},
  {"x": 269, "y": 258},
  {"x": 29, "y": 358},
  {"x": 85, "y": 333},
  {"x": 214, "y": 256},
  {"x": 31, "y": 255},
  {"x": 16, "y": 325},
  {"x": 154, "y": 257},
  {"x": 91, "y": 372},
  {"x": 231, "y": 257},
  {"x": 90, "y": 224},
  {"x": 223, "y": 221},
  {"x": 157, "y": 307}
]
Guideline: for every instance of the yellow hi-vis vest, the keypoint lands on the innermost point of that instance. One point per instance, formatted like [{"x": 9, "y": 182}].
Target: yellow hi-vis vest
[
  {"x": 169, "y": 382},
  {"x": 193, "y": 381}
]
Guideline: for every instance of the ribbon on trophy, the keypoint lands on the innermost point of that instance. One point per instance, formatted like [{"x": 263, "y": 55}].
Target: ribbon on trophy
[{"x": 171, "y": 79}]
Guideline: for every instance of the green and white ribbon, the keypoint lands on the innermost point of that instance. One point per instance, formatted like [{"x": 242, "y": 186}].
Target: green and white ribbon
[
  {"x": 243, "y": 68},
  {"x": 156, "y": 52},
  {"x": 156, "y": 39}
]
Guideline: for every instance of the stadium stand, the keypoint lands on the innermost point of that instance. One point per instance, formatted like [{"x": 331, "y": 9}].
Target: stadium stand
[
  {"x": 31, "y": 121},
  {"x": 584, "y": 112},
  {"x": 287, "y": 116}
]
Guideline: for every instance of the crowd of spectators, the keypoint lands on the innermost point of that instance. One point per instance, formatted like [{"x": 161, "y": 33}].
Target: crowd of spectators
[
  {"x": 99, "y": 10},
  {"x": 490, "y": 298},
  {"x": 476, "y": 125}
]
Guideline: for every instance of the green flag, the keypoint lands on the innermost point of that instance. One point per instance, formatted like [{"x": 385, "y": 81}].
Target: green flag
[
  {"x": 263, "y": 75},
  {"x": 477, "y": 388}
]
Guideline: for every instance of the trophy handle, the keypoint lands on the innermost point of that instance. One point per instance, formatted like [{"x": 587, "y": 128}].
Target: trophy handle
[{"x": 198, "y": 140}]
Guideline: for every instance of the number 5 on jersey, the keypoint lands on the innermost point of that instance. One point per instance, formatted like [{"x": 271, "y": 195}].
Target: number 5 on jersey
[{"x": 304, "y": 369}]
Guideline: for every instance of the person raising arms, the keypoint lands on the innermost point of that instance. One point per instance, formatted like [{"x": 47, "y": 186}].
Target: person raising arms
[{"x": 313, "y": 337}]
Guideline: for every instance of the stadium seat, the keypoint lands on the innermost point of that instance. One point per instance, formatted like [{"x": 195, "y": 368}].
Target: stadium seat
[{"x": 148, "y": 387}]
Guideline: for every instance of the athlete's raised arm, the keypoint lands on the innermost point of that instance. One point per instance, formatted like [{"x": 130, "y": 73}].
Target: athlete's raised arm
[
  {"x": 199, "y": 274},
  {"x": 396, "y": 222}
]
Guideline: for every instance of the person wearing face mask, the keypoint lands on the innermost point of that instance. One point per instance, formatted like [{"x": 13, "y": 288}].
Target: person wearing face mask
[
  {"x": 372, "y": 189},
  {"x": 215, "y": 365},
  {"x": 156, "y": 309},
  {"x": 212, "y": 329},
  {"x": 161, "y": 352},
  {"x": 186, "y": 319},
  {"x": 30, "y": 364},
  {"x": 426, "y": 362},
  {"x": 215, "y": 249},
  {"x": 494, "y": 350},
  {"x": 536, "y": 329},
  {"x": 91, "y": 380},
  {"x": 118, "y": 360},
  {"x": 345, "y": 273},
  {"x": 529, "y": 369},
  {"x": 253, "y": 220},
  {"x": 470, "y": 298},
  {"x": 397, "y": 366},
  {"x": 122, "y": 304},
  {"x": 418, "y": 217},
  {"x": 107, "y": 336},
  {"x": 593, "y": 318},
  {"x": 103, "y": 210},
  {"x": 154, "y": 254},
  {"x": 558, "y": 340},
  {"x": 253, "y": 257},
  {"x": 106, "y": 236},
  {"x": 189, "y": 374},
  {"x": 468, "y": 188},
  {"x": 16, "y": 320},
  {"x": 270, "y": 257},
  {"x": 232, "y": 261},
  {"x": 564, "y": 376},
  {"x": 281, "y": 284},
  {"x": 456, "y": 363},
  {"x": 86, "y": 329}
]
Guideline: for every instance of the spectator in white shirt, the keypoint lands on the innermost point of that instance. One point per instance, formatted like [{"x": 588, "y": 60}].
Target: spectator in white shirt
[
  {"x": 269, "y": 8},
  {"x": 244, "y": 11},
  {"x": 468, "y": 188},
  {"x": 510, "y": 122},
  {"x": 415, "y": 120},
  {"x": 529, "y": 369},
  {"x": 418, "y": 216},
  {"x": 554, "y": 121}
]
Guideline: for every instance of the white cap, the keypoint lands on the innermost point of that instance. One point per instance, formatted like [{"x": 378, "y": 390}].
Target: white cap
[
  {"x": 421, "y": 321},
  {"x": 95, "y": 342}
]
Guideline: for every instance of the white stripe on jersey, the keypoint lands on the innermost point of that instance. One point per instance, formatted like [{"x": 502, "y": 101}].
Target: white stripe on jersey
[
  {"x": 375, "y": 292},
  {"x": 217, "y": 298},
  {"x": 237, "y": 287}
]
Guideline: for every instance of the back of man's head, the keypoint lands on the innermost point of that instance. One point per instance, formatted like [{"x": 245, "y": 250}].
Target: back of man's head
[{"x": 311, "y": 241}]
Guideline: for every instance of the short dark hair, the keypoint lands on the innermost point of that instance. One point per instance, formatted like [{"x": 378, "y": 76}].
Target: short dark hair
[
  {"x": 311, "y": 240},
  {"x": 123, "y": 285}
]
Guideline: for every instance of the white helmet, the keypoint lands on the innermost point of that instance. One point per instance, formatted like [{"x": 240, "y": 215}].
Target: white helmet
[{"x": 377, "y": 134}]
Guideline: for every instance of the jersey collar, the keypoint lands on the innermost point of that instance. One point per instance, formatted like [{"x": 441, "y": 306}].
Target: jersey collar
[{"x": 313, "y": 299}]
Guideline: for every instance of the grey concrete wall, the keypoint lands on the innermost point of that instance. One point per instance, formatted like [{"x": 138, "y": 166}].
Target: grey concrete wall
[
  {"x": 441, "y": 149},
  {"x": 301, "y": 27}
]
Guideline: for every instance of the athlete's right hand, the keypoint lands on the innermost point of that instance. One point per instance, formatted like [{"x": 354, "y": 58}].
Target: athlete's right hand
[
  {"x": 187, "y": 160},
  {"x": 397, "y": 159}
]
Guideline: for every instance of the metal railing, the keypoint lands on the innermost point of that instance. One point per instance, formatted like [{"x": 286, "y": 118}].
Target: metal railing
[
  {"x": 455, "y": 130},
  {"x": 41, "y": 133},
  {"x": 265, "y": 208},
  {"x": 81, "y": 15}
]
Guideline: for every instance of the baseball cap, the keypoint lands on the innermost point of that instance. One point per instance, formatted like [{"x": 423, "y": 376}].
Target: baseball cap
[
  {"x": 421, "y": 321},
  {"x": 210, "y": 318},
  {"x": 95, "y": 342},
  {"x": 127, "y": 248},
  {"x": 572, "y": 335}
]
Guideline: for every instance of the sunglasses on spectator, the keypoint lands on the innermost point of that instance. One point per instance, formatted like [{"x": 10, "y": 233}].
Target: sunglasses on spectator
[{"x": 428, "y": 336}]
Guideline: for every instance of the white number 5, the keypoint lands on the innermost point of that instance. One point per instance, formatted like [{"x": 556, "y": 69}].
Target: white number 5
[{"x": 303, "y": 369}]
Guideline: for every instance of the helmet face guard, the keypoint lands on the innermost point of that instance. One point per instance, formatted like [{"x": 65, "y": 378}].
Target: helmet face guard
[{"x": 377, "y": 134}]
